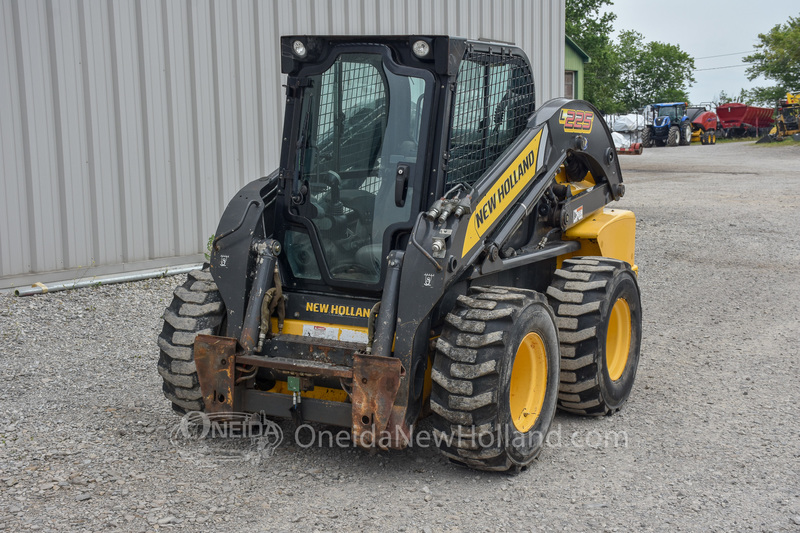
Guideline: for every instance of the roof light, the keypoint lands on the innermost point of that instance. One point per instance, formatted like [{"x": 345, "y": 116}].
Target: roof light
[
  {"x": 299, "y": 49},
  {"x": 421, "y": 48}
]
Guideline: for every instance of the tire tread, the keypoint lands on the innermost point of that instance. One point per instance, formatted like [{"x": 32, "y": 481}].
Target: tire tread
[
  {"x": 579, "y": 389},
  {"x": 196, "y": 308},
  {"x": 464, "y": 357}
]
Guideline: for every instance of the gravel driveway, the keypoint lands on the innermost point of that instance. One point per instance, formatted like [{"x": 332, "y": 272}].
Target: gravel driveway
[{"x": 709, "y": 440}]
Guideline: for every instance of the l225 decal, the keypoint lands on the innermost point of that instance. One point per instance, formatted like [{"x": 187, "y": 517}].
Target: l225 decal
[{"x": 576, "y": 120}]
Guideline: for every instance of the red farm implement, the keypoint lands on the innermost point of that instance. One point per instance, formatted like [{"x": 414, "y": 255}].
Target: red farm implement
[{"x": 740, "y": 120}]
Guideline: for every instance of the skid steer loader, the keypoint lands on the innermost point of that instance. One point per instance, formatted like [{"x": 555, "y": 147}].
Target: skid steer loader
[
  {"x": 431, "y": 243},
  {"x": 787, "y": 121}
]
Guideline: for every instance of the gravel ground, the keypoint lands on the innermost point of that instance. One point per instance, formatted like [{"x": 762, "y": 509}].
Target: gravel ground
[{"x": 709, "y": 440}]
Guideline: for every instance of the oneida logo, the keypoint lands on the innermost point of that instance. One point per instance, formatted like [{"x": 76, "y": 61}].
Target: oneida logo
[{"x": 502, "y": 193}]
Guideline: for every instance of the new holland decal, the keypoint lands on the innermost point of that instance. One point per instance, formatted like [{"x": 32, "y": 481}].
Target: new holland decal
[
  {"x": 576, "y": 120},
  {"x": 337, "y": 310},
  {"x": 502, "y": 193}
]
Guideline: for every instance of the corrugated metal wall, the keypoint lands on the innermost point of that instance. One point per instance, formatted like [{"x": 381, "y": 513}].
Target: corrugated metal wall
[{"x": 125, "y": 126}]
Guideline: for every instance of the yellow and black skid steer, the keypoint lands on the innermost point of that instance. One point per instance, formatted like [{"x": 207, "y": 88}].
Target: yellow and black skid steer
[
  {"x": 431, "y": 243},
  {"x": 787, "y": 122}
]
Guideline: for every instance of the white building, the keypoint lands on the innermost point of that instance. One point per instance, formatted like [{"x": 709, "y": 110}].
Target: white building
[{"x": 126, "y": 126}]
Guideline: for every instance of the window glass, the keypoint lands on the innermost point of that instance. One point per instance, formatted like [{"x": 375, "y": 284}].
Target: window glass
[
  {"x": 569, "y": 84},
  {"x": 360, "y": 122},
  {"x": 673, "y": 112},
  {"x": 301, "y": 255}
]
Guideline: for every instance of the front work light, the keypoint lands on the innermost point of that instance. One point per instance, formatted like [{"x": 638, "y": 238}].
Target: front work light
[
  {"x": 421, "y": 48},
  {"x": 299, "y": 49}
]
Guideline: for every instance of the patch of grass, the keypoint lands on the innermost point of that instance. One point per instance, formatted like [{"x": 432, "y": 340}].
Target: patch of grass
[
  {"x": 736, "y": 140},
  {"x": 209, "y": 245},
  {"x": 787, "y": 141}
]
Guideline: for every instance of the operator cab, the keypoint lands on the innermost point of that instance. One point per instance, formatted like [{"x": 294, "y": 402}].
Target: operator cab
[
  {"x": 360, "y": 157},
  {"x": 357, "y": 162},
  {"x": 674, "y": 111}
]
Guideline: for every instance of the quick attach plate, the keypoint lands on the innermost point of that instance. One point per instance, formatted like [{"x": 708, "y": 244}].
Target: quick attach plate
[
  {"x": 215, "y": 359},
  {"x": 376, "y": 381}
]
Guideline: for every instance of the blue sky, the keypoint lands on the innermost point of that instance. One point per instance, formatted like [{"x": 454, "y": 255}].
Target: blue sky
[{"x": 706, "y": 28}]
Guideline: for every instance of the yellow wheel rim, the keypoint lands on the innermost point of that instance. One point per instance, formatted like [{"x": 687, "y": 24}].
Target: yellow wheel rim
[
  {"x": 618, "y": 339},
  {"x": 528, "y": 382}
]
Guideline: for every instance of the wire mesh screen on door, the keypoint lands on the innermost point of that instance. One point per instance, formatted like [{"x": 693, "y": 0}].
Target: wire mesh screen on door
[
  {"x": 352, "y": 113},
  {"x": 494, "y": 98}
]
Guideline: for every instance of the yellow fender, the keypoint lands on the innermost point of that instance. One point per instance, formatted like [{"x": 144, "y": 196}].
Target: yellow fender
[{"x": 608, "y": 233}]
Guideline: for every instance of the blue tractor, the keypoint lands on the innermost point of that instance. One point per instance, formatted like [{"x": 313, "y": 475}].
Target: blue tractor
[{"x": 669, "y": 125}]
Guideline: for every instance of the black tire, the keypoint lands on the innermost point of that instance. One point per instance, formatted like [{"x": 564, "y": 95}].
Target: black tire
[
  {"x": 584, "y": 295},
  {"x": 712, "y": 137},
  {"x": 196, "y": 308},
  {"x": 674, "y": 136},
  {"x": 477, "y": 422},
  {"x": 704, "y": 138},
  {"x": 686, "y": 134},
  {"x": 647, "y": 137}
]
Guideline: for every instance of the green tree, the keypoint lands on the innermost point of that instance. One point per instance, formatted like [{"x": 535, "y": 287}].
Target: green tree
[
  {"x": 590, "y": 28},
  {"x": 744, "y": 97},
  {"x": 652, "y": 72},
  {"x": 632, "y": 87},
  {"x": 723, "y": 98},
  {"x": 777, "y": 58},
  {"x": 765, "y": 96}
]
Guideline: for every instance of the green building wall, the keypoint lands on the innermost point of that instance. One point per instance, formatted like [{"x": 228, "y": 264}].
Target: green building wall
[{"x": 574, "y": 60}]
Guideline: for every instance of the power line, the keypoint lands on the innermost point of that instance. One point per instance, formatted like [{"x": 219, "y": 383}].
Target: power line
[
  {"x": 724, "y": 55},
  {"x": 718, "y": 68}
]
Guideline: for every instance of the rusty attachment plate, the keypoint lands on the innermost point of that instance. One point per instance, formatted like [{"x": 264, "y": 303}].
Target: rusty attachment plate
[
  {"x": 215, "y": 359},
  {"x": 376, "y": 380}
]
